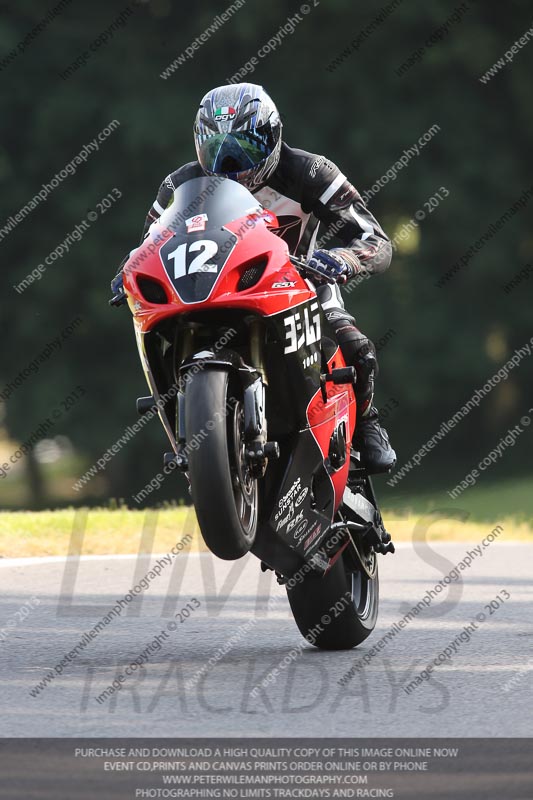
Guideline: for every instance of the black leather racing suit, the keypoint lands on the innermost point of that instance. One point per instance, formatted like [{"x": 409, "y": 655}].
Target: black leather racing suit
[{"x": 304, "y": 191}]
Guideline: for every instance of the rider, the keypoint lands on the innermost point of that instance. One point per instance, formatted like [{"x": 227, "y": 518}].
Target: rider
[{"x": 237, "y": 133}]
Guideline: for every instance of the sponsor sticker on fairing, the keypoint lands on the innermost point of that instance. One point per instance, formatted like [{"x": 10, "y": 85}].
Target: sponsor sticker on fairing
[
  {"x": 301, "y": 497},
  {"x": 302, "y": 328},
  {"x": 312, "y": 536},
  {"x": 287, "y": 514},
  {"x": 308, "y": 361},
  {"x": 299, "y": 533},
  {"x": 196, "y": 223},
  {"x": 287, "y": 498},
  {"x": 298, "y": 518}
]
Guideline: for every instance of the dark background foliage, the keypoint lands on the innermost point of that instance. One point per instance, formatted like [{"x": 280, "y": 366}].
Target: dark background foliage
[{"x": 448, "y": 341}]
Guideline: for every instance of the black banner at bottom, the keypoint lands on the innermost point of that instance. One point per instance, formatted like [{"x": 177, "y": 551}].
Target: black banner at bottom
[{"x": 127, "y": 769}]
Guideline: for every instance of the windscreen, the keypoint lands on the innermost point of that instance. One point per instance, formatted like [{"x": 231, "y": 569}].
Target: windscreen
[
  {"x": 219, "y": 200},
  {"x": 200, "y": 246}
]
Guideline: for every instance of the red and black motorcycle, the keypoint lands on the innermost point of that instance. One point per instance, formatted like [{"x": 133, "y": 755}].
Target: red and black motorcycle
[{"x": 258, "y": 404}]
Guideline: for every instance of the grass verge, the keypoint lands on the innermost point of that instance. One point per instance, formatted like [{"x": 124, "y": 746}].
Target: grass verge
[{"x": 99, "y": 531}]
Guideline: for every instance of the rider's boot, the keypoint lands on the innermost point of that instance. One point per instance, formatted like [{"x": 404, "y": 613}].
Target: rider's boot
[
  {"x": 372, "y": 442},
  {"x": 370, "y": 439}
]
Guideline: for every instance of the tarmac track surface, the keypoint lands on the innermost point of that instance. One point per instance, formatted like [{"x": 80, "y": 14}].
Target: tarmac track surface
[{"x": 464, "y": 697}]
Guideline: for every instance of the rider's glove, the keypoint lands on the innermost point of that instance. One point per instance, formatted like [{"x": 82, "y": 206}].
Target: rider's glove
[
  {"x": 117, "y": 288},
  {"x": 338, "y": 264}
]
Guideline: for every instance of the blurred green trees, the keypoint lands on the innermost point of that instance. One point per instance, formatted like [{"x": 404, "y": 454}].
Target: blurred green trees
[{"x": 362, "y": 115}]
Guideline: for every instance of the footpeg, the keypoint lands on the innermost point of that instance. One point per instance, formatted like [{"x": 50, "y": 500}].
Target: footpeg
[
  {"x": 340, "y": 376},
  {"x": 177, "y": 460},
  {"x": 380, "y": 540},
  {"x": 170, "y": 460},
  {"x": 145, "y": 404},
  {"x": 387, "y": 545}
]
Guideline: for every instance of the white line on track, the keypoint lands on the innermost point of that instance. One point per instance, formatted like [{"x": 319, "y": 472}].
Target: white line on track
[{"x": 31, "y": 560}]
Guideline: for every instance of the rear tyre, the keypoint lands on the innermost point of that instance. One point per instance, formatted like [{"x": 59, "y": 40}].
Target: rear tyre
[
  {"x": 337, "y": 611},
  {"x": 224, "y": 493}
]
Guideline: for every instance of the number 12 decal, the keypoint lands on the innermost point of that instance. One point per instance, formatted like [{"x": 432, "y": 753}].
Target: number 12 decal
[
  {"x": 206, "y": 249},
  {"x": 195, "y": 261}
]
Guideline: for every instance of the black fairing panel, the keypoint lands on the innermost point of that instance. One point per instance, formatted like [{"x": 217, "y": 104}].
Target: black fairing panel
[
  {"x": 194, "y": 261},
  {"x": 300, "y": 508},
  {"x": 295, "y": 358}
]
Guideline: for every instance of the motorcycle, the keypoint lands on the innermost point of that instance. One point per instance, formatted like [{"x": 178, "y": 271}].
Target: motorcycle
[{"x": 258, "y": 404}]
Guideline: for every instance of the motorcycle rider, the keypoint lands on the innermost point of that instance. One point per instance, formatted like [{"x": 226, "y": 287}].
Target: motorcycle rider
[{"x": 237, "y": 134}]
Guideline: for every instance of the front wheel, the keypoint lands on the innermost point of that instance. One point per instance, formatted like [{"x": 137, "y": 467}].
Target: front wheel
[
  {"x": 339, "y": 610},
  {"x": 224, "y": 493}
]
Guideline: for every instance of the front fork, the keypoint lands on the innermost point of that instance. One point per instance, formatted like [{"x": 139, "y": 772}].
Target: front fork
[{"x": 254, "y": 380}]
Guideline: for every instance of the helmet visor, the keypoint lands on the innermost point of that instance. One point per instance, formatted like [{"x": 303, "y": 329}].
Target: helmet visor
[{"x": 226, "y": 153}]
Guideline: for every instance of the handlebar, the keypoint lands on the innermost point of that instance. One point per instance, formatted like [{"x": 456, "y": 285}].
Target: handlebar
[
  {"x": 118, "y": 299},
  {"x": 302, "y": 265}
]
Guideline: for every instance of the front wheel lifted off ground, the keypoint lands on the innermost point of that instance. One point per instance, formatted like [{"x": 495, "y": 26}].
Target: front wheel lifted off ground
[{"x": 224, "y": 493}]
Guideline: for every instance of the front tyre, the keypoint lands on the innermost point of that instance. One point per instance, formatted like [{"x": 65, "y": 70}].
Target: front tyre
[{"x": 224, "y": 493}]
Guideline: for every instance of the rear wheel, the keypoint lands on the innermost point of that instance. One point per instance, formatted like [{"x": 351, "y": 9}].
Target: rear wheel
[
  {"x": 339, "y": 610},
  {"x": 224, "y": 493}
]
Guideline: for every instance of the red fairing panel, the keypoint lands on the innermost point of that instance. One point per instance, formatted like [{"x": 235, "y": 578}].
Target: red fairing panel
[
  {"x": 324, "y": 418},
  {"x": 255, "y": 238}
]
